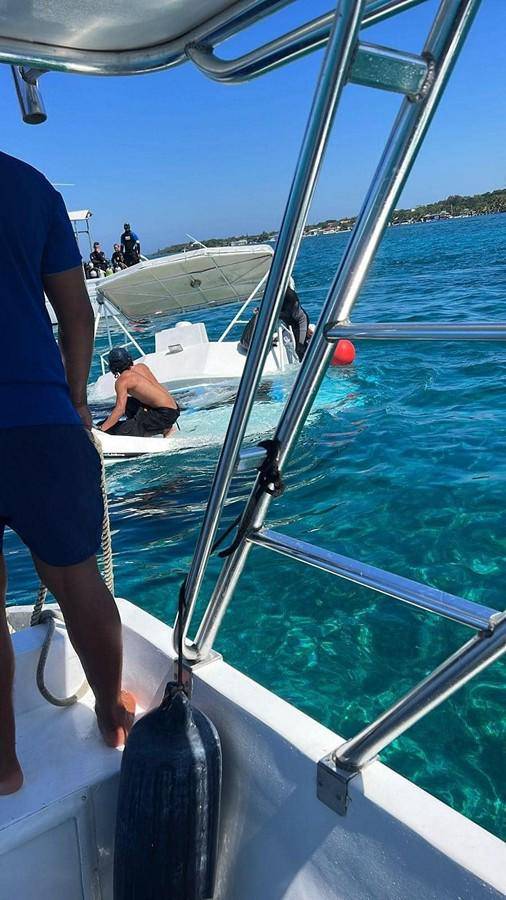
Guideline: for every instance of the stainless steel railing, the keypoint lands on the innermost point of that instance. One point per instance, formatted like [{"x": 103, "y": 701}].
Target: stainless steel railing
[
  {"x": 302, "y": 40},
  {"x": 430, "y": 599},
  {"x": 441, "y": 49}
]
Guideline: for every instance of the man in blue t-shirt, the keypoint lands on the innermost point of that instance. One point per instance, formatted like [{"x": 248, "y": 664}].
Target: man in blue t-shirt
[
  {"x": 49, "y": 469},
  {"x": 130, "y": 246}
]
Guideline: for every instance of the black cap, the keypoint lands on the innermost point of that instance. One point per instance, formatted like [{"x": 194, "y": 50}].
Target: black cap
[
  {"x": 126, "y": 225},
  {"x": 119, "y": 360}
]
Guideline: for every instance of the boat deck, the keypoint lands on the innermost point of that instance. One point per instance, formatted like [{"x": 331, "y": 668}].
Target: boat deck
[{"x": 277, "y": 840}]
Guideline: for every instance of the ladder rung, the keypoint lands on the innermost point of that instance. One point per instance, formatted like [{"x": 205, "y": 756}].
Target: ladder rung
[
  {"x": 421, "y": 595},
  {"x": 418, "y": 331}
]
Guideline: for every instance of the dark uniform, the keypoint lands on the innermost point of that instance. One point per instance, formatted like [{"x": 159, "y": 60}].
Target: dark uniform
[
  {"x": 296, "y": 318},
  {"x": 98, "y": 260},
  {"x": 131, "y": 247}
]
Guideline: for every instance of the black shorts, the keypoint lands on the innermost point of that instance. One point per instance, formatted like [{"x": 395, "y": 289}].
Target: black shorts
[
  {"x": 50, "y": 491},
  {"x": 147, "y": 422}
]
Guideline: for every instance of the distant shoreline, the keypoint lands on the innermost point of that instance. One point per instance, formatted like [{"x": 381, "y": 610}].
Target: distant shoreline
[{"x": 453, "y": 207}]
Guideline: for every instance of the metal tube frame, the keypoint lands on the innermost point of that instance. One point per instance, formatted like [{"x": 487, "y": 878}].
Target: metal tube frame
[
  {"x": 134, "y": 62},
  {"x": 373, "y": 66},
  {"x": 328, "y": 90},
  {"x": 291, "y": 46},
  {"x": 418, "y": 331},
  {"x": 442, "y": 46},
  {"x": 423, "y": 596},
  {"x": 29, "y": 96},
  {"x": 104, "y": 312},
  {"x": 172, "y": 53},
  {"x": 470, "y": 659},
  {"x": 244, "y": 306},
  {"x": 443, "y": 43}
]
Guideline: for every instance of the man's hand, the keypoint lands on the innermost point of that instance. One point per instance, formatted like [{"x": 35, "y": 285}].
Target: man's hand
[{"x": 85, "y": 415}]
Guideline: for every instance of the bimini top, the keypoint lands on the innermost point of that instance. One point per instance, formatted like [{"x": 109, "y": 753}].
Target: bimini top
[
  {"x": 113, "y": 37},
  {"x": 80, "y": 215},
  {"x": 185, "y": 281}
]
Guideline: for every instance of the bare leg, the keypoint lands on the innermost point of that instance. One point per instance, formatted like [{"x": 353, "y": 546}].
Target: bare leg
[
  {"x": 11, "y": 776},
  {"x": 94, "y": 627}
]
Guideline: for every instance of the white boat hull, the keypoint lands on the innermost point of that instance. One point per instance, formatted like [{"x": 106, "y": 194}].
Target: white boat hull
[
  {"x": 278, "y": 841},
  {"x": 181, "y": 365}
]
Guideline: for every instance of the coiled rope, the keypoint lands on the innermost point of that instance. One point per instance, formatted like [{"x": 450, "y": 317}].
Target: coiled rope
[{"x": 49, "y": 617}]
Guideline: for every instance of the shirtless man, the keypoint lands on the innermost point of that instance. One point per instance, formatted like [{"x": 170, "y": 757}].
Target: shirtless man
[{"x": 149, "y": 407}]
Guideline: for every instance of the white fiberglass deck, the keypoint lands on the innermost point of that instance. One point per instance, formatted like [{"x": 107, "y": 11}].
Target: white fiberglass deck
[{"x": 277, "y": 840}]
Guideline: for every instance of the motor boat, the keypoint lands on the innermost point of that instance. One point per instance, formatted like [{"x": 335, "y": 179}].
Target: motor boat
[{"x": 183, "y": 356}]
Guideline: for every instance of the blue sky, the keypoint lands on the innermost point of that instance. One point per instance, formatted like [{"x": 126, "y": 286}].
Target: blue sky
[{"x": 174, "y": 152}]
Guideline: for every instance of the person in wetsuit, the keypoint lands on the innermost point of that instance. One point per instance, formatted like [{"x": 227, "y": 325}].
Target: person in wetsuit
[
  {"x": 130, "y": 246},
  {"x": 295, "y": 317},
  {"x": 148, "y": 406},
  {"x": 117, "y": 258},
  {"x": 98, "y": 258}
]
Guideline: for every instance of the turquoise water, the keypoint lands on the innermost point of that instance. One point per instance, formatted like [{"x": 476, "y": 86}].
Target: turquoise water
[{"x": 402, "y": 465}]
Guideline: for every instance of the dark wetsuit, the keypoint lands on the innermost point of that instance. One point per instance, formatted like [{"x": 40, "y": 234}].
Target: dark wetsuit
[
  {"x": 99, "y": 260},
  {"x": 118, "y": 260},
  {"x": 145, "y": 421},
  {"x": 131, "y": 248},
  {"x": 296, "y": 318}
]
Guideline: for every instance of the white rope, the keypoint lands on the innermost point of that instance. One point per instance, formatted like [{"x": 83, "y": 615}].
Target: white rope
[{"x": 49, "y": 617}]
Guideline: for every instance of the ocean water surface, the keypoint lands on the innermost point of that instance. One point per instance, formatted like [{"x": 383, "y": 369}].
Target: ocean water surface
[{"x": 402, "y": 465}]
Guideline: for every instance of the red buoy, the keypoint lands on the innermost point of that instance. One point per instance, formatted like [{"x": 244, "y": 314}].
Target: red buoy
[{"x": 344, "y": 354}]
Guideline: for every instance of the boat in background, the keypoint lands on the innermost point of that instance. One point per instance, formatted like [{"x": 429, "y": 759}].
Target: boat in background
[{"x": 183, "y": 356}]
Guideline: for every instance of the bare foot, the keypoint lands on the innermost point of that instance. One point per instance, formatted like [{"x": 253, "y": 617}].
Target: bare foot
[
  {"x": 11, "y": 779},
  {"x": 115, "y": 724}
]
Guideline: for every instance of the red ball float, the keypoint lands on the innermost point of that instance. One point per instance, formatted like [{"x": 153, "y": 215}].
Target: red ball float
[{"x": 344, "y": 354}]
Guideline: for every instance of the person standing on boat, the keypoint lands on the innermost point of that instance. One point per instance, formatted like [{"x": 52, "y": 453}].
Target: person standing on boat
[
  {"x": 148, "y": 406},
  {"x": 130, "y": 246},
  {"x": 50, "y": 491},
  {"x": 295, "y": 317}
]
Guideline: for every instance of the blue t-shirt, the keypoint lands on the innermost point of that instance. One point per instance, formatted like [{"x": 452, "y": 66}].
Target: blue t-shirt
[{"x": 36, "y": 239}]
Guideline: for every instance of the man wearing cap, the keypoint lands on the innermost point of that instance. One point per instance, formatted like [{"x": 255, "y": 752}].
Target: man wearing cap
[
  {"x": 130, "y": 246},
  {"x": 50, "y": 492},
  {"x": 148, "y": 406}
]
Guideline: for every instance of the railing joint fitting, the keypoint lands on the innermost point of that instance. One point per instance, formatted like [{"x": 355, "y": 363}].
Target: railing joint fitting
[
  {"x": 428, "y": 81},
  {"x": 332, "y": 783}
]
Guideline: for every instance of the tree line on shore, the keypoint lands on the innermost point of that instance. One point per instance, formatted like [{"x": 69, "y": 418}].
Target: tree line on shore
[{"x": 454, "y": 206}]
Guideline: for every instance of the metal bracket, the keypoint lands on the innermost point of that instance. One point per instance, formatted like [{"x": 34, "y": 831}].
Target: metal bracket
[
  {"x": 188, "y": 670},
  {"x": 332, "y": 784},
  {"x": 28, "y": 93}
]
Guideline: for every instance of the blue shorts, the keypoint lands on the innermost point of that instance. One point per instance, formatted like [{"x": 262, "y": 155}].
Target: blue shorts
[{"x": 50, "y": 492}]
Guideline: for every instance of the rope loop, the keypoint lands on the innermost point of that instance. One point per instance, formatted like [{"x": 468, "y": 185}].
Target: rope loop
[{"x": 49, "y": 616}]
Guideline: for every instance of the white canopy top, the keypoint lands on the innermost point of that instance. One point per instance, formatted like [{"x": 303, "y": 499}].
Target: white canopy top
[
  {"x": 185, "y": 281},
  {"x": 115, "y": 36},
  {"x": 80, "y": 215}
]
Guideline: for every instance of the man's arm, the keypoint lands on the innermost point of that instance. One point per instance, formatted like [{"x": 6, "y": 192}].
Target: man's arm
[
  {"x": 66, "y": 291},
  {"x": 119, "y": 409}
]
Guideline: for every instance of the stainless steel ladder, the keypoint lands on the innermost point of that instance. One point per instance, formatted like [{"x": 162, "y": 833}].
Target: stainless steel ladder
[{"x": 422, "y": 80}]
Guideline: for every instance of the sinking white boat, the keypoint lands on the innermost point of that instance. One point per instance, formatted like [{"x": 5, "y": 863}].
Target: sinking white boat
[{"x": 183, "y": 355}]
